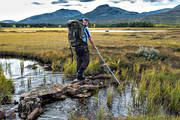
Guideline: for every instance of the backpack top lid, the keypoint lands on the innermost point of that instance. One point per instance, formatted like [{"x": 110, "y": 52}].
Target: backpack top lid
[{"x": 71, "y": 23}]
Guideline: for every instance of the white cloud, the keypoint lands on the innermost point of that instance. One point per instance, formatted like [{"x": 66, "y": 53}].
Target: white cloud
[{"x": 20, "y": 9}]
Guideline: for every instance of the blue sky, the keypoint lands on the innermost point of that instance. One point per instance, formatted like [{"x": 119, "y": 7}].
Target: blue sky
[{"x": 20, "y": 9}]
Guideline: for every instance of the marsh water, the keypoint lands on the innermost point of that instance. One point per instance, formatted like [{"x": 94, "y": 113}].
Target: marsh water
[
  {"x": 26, "y": 77},
  {"x": 128, "y": 31},
  {"x": 120, "y": 31}
]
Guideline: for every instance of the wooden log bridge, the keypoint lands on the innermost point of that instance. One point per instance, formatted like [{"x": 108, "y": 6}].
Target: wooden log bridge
[{"x": 31, "y": 103}]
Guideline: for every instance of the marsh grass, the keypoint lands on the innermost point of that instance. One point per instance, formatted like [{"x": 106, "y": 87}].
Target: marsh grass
[
  {"x": 100, "y": 113},
  {"x": 1, "y": 68},
  {"x": 69, "y": 67},
  {"x": 119, "y": 51},
  {"x": 56, "y": 65},
  {"x": 71, "y": 115},
  {"x": 6, "y": 86},
  {"x": 159, "y": 88},
  {"x": 109, "y": 97},
  {"x": 29, "y": 81},
  {"x": 44, "y": 79},
  {"x": 120, "y": 88},
  {"x": 22, "y": 67},
  {"x": 9, "y": 69},
  {"x": 158, "y": 36},
  {"x": 151, "y": 117},
  {"x": 95, "y": 67}
]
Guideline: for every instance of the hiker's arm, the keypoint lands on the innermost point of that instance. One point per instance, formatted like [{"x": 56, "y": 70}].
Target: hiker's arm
[{"x": 92, "y": 43}]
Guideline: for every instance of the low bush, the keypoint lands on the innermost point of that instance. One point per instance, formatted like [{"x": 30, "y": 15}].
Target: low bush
[{"x": 148, "y": 53}]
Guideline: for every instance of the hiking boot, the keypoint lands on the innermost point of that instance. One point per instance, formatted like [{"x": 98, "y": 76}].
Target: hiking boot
[{"x": 81, "y": 78}]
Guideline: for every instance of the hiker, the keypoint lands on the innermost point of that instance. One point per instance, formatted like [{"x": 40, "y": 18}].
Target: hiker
[
  {"x": 82, "y": 52},
  {"x": 78, "y": 36}
]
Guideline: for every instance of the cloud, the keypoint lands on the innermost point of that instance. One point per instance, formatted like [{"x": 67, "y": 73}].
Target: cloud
[
  {"x": 67, "y": 5},
  {"x": 118, "y": 1},
  {"x": 59, "y": 2},
  {"x": 37, "y": 3},
  {"x": 133, "y": 1},
  {"x": 86, "y": 0},
  {"x": 158, "y": 0}
]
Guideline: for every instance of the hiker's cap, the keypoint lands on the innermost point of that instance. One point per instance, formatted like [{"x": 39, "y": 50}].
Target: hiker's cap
[{"x": 85, "y": 19}]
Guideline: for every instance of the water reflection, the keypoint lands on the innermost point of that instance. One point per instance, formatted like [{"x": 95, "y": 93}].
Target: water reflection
[
  {"x": 28, "y": 74},
  {"x": 129, "y": 31}
]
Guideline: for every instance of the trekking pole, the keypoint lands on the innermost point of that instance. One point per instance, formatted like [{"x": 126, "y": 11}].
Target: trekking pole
[{"x": 107, "y": 66}]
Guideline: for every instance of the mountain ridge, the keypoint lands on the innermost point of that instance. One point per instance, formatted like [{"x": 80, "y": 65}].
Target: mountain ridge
[
  {"x": 102, "y": 14},
  {"x": 170, "y": 17},
  {"x": 7, "y": 21}
]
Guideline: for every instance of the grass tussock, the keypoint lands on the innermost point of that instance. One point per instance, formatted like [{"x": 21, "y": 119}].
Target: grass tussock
[
  {"x": 6, "y": 86},
  {"x": 95, "y": 67},
  {"x": 69, "y": 67},
  {"x": 149, "y": 117},
  {"x": 159, "y": 88},
  {"x": 109, "y": 97}
]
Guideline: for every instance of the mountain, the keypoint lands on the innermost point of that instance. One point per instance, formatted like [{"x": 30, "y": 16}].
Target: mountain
[
  {"x": 7, "y": 21},
  {"x": 155, "y": 12},
  {"x": 106, "y": 14},
  {"x": 170, "y": 17},
  {"x": 57, "y": 17}
]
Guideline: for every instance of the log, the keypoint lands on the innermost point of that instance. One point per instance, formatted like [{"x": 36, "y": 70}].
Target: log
[
  {"x": 2, "y": 115},
  {"x": 31, "y": 103}
]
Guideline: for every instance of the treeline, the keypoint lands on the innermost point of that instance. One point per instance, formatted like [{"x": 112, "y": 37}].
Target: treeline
[
  {"x": 14, "y": 25},
  {"x": 125, "y": 24}
]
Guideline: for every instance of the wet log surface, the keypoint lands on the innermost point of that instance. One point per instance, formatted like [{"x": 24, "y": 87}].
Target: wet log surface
[{"x": 31, "y": 103}]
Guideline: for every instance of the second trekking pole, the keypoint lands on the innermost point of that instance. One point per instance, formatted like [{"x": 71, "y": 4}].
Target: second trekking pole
[{"x": 107, "y": 66}]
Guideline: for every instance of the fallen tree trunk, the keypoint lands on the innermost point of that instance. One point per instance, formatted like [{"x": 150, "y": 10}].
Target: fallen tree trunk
[{"x": 31, "y": 103}]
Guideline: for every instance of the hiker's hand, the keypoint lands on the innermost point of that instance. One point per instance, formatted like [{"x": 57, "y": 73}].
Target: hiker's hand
[{"x": 95, "y": 47}]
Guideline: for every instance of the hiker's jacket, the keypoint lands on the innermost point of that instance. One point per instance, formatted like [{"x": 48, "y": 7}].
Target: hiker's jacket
[{"x": 86, "y": 34}]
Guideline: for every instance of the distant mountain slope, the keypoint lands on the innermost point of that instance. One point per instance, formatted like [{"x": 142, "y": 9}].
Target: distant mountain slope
[
  {"x": 155, "y": 12},
  {"x": 106, "y": 14},
  {"x": 7, "y": 21},
  {"x": 170, "y": 17},
  {"x": 57, "y": 17}
]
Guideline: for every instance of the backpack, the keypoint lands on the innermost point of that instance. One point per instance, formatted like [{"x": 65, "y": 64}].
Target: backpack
[{"x": 76, "y": 32}]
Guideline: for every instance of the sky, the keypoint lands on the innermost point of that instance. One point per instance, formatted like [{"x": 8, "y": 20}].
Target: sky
[{"x": 21, "y": 9}]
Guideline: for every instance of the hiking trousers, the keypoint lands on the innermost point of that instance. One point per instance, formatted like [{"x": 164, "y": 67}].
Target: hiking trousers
[{"x": 82, "y": 56}]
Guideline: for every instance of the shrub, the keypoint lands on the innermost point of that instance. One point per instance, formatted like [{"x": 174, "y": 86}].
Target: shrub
[{"x": 148, "y": 53}]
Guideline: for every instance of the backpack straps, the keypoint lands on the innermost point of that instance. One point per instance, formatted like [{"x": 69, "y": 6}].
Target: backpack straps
[{"x": 72, "y": 55}]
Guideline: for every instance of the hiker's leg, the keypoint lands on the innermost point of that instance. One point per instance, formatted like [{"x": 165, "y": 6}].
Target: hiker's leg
[
  {"x": 85, "y": 62},
  {"x": 78, "y": 62},
  {"x": 78, "y": 58}
]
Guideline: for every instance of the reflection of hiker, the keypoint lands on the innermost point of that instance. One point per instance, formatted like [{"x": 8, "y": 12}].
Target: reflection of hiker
[{"x": 78, "y": 36}]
